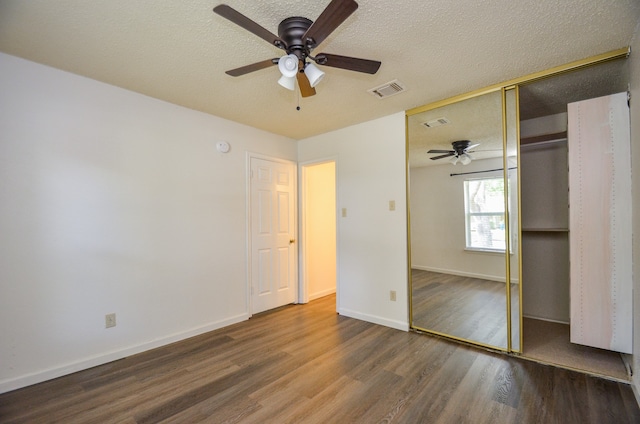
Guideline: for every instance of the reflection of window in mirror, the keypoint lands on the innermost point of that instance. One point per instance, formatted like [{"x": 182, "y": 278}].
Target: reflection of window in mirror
[{"x": 484, "y": 214}]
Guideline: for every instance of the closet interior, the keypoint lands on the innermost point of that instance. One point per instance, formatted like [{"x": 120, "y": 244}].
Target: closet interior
[{"x": 545, "y": 209}]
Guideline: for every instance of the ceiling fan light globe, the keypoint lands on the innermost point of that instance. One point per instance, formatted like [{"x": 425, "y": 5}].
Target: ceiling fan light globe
[
  {"x": 465, "y": 159},
  {"x": 288, "y": 65},
  {"x": 287, "y": 82},
  {"x": 454, "y": 160},
  {"x": 313, "y": 73}
]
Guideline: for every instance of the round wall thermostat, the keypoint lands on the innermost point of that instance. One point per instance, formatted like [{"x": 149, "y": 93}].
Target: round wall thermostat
[{"x": 223, "y": 146}]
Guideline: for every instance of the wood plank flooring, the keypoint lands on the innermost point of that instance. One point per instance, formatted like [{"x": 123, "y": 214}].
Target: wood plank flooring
[
  {"x": 470, "y": 308},
  {"x": 306, "y": 364}
]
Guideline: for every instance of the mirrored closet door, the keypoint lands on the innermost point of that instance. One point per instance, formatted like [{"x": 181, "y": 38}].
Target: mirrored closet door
[
  {"x": 486, "y": 248},
  {"x": 463, "y": 203}
]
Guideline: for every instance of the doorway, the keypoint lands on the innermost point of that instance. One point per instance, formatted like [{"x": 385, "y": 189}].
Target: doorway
[{"x": 318, "y": 265}]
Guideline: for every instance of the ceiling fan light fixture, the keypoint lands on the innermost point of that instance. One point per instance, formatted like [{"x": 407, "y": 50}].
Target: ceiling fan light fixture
[
  {"x": 313, "y": 73},
  {"x": 287, "y": 82},
  {"x": 465, "y": 159},
  {"x": 453, "y": 160},
  {"x": 288, "y": 65}
]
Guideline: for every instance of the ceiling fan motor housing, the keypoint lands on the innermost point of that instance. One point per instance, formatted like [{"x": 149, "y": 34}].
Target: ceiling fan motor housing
[
  {"x": 291, "y": 30},
  {"x": 461, "y": 146}
]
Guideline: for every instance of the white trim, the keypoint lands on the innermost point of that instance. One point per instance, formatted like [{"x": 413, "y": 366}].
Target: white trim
[
  {"x": 485, "y": 250},
  {"x": 398, "y": 325},
  {"x": 635, "y": 393},
  {"x": 498, "y": 278},
  {"x": 247, "y": 221},
  {"x": 338, "y": 224},
  {"x": 321, "y": 294},
  {"x": 545, "y": 319},
  {"x": 69, "y": 368}
]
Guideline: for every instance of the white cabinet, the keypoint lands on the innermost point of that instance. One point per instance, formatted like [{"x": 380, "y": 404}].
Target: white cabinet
[{"x": 600, "y": 223}]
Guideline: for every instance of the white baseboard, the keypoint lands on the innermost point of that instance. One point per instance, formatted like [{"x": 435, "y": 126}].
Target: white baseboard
[
  {"x": 398, "y": 325},
  {"x": 86, "y": 363},
  {"x": 545, "y": 319},
  {"x": 463, "y": 273},
  {"x": 634, "y": 388},
  {"x": 627, "y": 359},
  {"x": 323, "y": 293}
]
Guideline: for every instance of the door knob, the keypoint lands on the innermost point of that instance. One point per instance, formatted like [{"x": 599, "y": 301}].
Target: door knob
[{"x": 291, "y": 241}]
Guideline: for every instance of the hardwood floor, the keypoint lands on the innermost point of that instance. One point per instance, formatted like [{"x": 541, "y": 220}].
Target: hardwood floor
[
  {"x": 306, "y": 364},
  {"x": 469, "y": 308}
]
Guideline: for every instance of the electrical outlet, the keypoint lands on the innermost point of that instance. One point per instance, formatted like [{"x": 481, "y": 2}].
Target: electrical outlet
[
  {"x": 392, "y": 295},
  {"x": 109, "y": 320}
]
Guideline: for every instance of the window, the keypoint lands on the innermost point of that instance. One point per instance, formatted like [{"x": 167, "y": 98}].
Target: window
[{"x": 484, "y": 214}]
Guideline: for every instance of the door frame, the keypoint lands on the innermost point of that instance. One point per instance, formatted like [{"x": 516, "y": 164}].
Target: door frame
[
  {"x": 303, "y": 292},
  {"x": 249, "y": 229}
]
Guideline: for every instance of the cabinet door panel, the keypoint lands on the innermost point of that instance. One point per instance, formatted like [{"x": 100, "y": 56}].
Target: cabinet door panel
[{"x": 600, "y": 222}]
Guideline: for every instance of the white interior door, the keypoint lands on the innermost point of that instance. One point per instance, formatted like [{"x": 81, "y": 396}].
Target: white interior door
[{"x": 273, "y": 235}]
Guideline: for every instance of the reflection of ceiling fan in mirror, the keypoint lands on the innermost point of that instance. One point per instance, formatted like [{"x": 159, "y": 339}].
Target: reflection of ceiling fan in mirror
[
  {"x": 298, "y": 37},
  {"x": 460, "y": 152}
]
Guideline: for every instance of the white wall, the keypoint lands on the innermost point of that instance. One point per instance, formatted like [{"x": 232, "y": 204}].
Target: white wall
[
  {"x": 438, "y": 222},
  {"x": 634, "y": 77},
  {"x": 372, "y": 240},
  {"x": 544, "y": 125},
  {"x": 111, "y": 201}
]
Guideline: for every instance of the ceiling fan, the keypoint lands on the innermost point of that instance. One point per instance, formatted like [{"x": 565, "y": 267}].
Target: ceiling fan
[
  {"x": 298, "y": 36},
  {"x": 460, "y": 152}
]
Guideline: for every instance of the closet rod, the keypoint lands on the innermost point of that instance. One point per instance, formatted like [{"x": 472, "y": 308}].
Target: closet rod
[{"x": 481, "y": 172}]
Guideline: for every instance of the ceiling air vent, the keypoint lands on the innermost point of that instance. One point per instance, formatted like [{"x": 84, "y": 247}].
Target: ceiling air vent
[
  {"x": 436, "y": 122},
  {"x": 389, "y": 89}
]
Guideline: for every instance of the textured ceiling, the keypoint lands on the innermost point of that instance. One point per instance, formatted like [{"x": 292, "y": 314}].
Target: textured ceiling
[
  {"x": 551, "y": 95},
  {"x": 479, "y": 119},
  {"x": 178, "y": 51}
]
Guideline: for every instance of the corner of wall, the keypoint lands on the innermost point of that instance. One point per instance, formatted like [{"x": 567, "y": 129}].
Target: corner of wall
[{"x": 634, "y": 80}]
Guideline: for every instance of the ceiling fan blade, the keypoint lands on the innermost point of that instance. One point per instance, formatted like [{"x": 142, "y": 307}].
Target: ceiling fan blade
[
  {"x": 443, "y": 156},
  {"x": 440, "y": 151},
  {"x": 305, "y": 87},
  {"x": 349, "y": 63},
  {"x": 246, "y": 23},
  {"x": 333, "y": 15},
  {"x": 251, "y": 68},
  {"x": 472, "y": 146}
]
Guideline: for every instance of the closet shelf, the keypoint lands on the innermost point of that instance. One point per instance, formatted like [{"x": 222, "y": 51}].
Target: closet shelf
[
  {"x": 543, "y": 139},
  {"x": 545, "y": 230}
]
